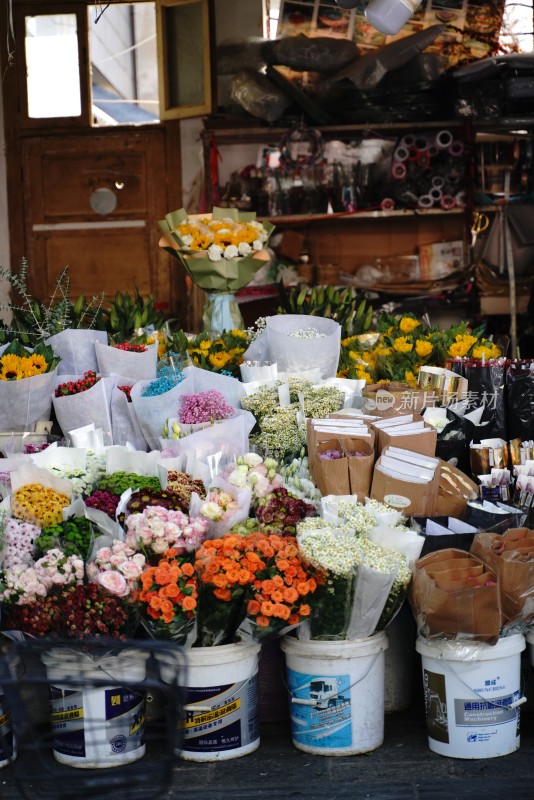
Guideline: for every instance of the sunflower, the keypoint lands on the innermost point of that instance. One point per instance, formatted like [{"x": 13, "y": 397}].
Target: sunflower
[
  {"x": 36, "y": 362},
  {"x": 12, "y": 368}
]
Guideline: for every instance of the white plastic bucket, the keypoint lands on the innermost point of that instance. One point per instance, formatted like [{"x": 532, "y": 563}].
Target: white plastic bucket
[
  {"x": 530, "y": 643},
  {"x": 221, "y": 709},
  {"x": 400, "y": 662},
  {"x": 96, "y": 726},
  {"x": 472, "y": 694},
  {"x": 336, "y": 694},
  {"x": 8, "y": 751}
]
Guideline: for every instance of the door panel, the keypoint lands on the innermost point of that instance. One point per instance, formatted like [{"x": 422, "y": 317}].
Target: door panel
[{"x": 92, "y": 202}]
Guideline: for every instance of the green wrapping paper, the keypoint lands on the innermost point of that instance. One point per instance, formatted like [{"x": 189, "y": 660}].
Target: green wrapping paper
[{"x": 220, "y": 279}]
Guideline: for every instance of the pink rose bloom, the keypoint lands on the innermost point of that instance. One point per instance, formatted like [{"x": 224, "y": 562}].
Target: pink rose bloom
[
  {"x": 261, "y": 469},
  {"x": 262, "y": 487},
  {"x": 131, "y": 570},
  {"x": 159, "y": 545},
  {"x": 104, "y": 554},
  {"x": 113, "y": 582}
]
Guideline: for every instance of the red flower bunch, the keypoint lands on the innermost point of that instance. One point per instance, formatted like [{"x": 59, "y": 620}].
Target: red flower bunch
[
  {"x": 127, "y": 391},
  {"x": 103, "y": 501},
  {"x": 75, "y": 387},
  {"x": 280, "y": 511},
  {"x": 71, "y": 611},
  {"x": 168, "y": 598},
  {"x": 130, "y": 348}
]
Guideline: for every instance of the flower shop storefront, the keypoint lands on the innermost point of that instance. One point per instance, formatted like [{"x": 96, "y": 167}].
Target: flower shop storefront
[{"x": 247, "y": 520}]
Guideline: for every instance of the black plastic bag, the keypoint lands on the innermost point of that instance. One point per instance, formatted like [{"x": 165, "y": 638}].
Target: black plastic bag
[
  {"x": 520, "y": 396},
  {"x": 486, "y": 387},
  {"x": 453, "y": 442}
]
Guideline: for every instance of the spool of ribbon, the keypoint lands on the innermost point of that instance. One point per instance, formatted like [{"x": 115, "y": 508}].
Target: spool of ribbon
[
  {"x": 456, "y": 148},
  {"x": 423, "y": 159},
  {"x": 447, "y": 201},
  {"x": 443, "y": 139},
  {"x": 408, "y": 140},
  {"x": 398, "y": 170},
  {"x": 460, "y": 199},
  {"x": 436, "y": 193},
  {"x": 387, "y": 204},
  {"x": 401, "y": 154},
  {"x": 425, "y": 201},
  {"x": 438, "y": 181}
]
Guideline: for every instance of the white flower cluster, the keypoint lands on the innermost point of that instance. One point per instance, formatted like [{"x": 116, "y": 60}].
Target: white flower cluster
[
  {"x": 318, "y": 523},
  {"x": 384, "y": 514},
  {"x": 336, "y": 553},
  {"x": 83, "y": 481},
  {"x": 356, "y": 515},
  {"x": 307, "y": 333},
  {"x": 298, "y": 481}
]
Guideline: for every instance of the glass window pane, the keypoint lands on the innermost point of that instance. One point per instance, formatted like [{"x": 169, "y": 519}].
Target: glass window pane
[
  {"x": 124, "y": 65},
  {"x": 53, "y": 73}
]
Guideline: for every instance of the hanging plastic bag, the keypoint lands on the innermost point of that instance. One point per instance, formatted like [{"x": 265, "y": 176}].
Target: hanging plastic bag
[{"x": 520, "y": 397}]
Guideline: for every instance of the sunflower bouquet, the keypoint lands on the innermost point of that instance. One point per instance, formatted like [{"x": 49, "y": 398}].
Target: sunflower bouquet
[
  {"x": 220, "y": 252},
  {"x": 222, "y": 353},
  {"x": 27, "y": 380}
]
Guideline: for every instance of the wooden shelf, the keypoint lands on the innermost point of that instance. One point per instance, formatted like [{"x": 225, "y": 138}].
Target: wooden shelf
[{"x": 367, "y": 214}]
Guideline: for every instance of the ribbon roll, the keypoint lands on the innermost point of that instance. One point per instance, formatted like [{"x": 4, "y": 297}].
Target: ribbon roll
[
  {"x": 412, "y": 154},
  {"x": 425, "y": 201},
  {"x": 447, "y": 201},
  {"x": 432, "y": 151},
  {"x": 398, "y": 170},
  {"x": 460, "y": 199},
  {"x": 443, "y": 139},
  {"x": 387, "y": 204},
  {"x": 456, "y": 148},
  {"x": 408, "y": 140},
  {"x": 401, "y": 154},
  {"x": 423, "y": 159},
  {"x": 422, "y": 143},
  {"x": 436, "y": 193},
  {"x": 438, "y": 181}
]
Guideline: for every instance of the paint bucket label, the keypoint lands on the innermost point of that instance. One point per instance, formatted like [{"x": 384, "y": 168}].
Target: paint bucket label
[
  {"x": 320, "y": 709},
  {"x": 227, "y": 717},
  {"x": 121, "y": 725}
]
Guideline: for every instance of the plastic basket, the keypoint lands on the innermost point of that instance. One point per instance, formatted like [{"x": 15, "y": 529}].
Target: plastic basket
[{"x": 34, "y": 768}]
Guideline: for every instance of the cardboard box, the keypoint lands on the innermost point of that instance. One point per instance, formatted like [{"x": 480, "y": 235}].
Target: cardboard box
[{"x": 439, "y": 260}]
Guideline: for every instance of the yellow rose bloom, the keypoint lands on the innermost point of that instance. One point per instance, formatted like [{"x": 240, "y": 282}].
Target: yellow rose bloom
[
  {"x": 423, "y": 348},
  {"x": 402, "y": 345},
  {"x": 407, "y": 324},
  {"x": 204, "y": 346}
]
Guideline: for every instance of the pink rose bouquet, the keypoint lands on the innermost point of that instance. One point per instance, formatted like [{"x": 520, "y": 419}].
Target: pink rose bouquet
[
  {"x": 157, "y": 529},
  {"x": 117, "y": 569}
]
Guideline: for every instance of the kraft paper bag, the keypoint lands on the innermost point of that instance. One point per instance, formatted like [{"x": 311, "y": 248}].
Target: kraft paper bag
[
  {"x": 469, "y": 608},
  {"x": 414, "y": 499},
  {"x": 424, "y": 443},
  {"x": 360, "y": 466},
  {"x": 514, "y": 566},
  {"x": 331, "y": 476},
  {"x": 454, "y": 491},
  {"x": 387, "y": 399}
]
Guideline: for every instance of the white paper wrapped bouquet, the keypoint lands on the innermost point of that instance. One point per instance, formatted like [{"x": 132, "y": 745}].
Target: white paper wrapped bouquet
[{"x": 220, "y": 252}]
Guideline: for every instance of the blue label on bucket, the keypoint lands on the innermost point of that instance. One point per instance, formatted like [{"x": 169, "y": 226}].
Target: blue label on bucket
[
  {"x": 67, "y": 721},
  {"x": 320, "y": 709},
  {"x": 220, "y": 718}
]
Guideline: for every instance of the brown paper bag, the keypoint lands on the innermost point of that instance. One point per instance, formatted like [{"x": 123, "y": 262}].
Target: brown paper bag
[
  {"x": 454, "y": 491},
  {"x": 331, "y": 476},
  {"x": 450, "y": 564},
  {"x": 472, "y": 611},
  {"x": 463, "y": 583},
  {"x": 386, "y": 399},
  {"x": 360, "y": 467},
  {"x": 414, "y": 499},
  {"x": 452, "y": 575},
  {"x": 516, "y": 576},
  {"x": 424, "y": 443}
]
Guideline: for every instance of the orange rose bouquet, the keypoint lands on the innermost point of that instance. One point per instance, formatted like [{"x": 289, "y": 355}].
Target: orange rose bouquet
[
  {"x": 250, "y": 587},
  {"x": 168, "y": 599}
]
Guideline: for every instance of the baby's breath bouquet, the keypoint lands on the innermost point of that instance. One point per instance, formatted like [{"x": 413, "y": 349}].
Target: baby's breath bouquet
[{"x": 220, "y": 252}]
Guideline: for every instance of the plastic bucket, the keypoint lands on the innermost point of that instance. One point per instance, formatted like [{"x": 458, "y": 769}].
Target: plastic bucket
[
  {"x": 96, "y": 725},
  {"x": 8, "y": 746},
  {"x": 336, "y": 694},
  {"x": 530, "y": 643},
  {"x": 221, "y": 718},
  {"x": 400, "y": 662},
  {"x": 472, "y": 694}
]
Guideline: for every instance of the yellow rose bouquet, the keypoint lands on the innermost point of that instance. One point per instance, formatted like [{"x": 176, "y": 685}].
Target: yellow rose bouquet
[{"x": 220, "y": 252}]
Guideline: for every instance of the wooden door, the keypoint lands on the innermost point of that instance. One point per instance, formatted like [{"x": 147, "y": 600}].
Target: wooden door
[{"x": 92, "y": 201}]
